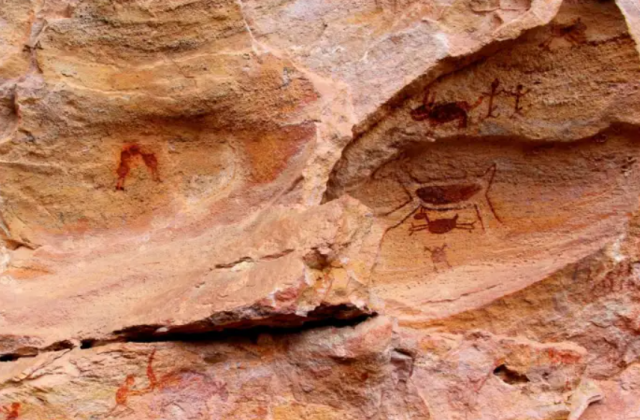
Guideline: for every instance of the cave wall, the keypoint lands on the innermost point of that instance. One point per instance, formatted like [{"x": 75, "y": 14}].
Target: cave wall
[{"x": 302, "y": 209}]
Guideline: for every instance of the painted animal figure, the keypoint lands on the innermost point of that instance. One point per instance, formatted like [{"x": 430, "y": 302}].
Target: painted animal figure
[
  {"x": 439, "y": 226},
  {"x": 446, "y": 195},
  {"x": 438, "y": 113}
]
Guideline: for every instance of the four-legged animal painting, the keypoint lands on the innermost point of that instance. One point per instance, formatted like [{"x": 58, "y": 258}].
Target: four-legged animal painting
[{"x": 426, "y": 200}]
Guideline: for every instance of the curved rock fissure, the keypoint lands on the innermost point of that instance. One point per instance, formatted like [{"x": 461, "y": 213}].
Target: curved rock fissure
[
  {"x": 446, "y": 67},
  {"x": 217, "y": 328},
  {"x": 337, "y": 188}
]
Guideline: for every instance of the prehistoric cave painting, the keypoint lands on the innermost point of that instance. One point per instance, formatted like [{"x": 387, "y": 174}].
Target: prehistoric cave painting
[
  {"x": 438, "y": 113},
  {"x": 12, "y": 411},
  {"x": 574, "y": 33},
  {"x": 517, "y": 95},
  {"x": 560, "y": 190},
  {"x": 445, "y": 196},
  {"x": 151, "y": 376},
  {"x": 531, "y": 204},
  {"x": 439, "y": 226},
  {"x": 180, "y": 381},
  {"x": 122, "y": 395},
  {"x": 127, "y": 156},
  {"x": 494, "y": 92},
  {"x": 438, "y": 257},
  {"x": 125, "y": 390}
]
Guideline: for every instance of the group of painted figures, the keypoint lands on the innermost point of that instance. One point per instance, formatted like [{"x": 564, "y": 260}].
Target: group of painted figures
[
  {"x": 126, "y": 389},
  {"x": 123, "y": 393},
  {"x": 438, "y": 113},
  {"x": 442, "y": 197},
  {"x": 435, "y": 207}
]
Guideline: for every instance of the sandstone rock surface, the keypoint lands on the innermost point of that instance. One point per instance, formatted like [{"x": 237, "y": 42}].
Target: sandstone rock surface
[{"x": 307, "y": 209}]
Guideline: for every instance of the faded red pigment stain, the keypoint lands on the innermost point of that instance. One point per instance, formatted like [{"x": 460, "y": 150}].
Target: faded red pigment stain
[
  {"x": 128, "y": 156},
  {"x": 12, "y": 411},
  {"x": 180, "y": 379},
  {"x": 574, "y": 33},
  {"x": 269, "y": 153},
  {"x": 170, "y": 380},
  {"x": 125, "y": 390},
  {"x": 122, "y": 394},
  {"x": 153, "y": 380},
  {"x": 560, "y": 357}
]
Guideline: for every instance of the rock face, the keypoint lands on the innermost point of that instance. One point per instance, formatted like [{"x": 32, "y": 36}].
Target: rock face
[{"x": 377, "y": 209}]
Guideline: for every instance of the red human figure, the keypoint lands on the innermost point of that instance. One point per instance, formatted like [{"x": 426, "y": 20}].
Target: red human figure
[
  {"x": 122, "y": 394},
  {"x": 127, "y": 155},
  {"x": 12, "y": 411},
  {"x": 518, "y": 94},
  {"x": 151, "y": 376},
  {"x": 494, "y": 92},
  {"x": 151, "y": 162}
]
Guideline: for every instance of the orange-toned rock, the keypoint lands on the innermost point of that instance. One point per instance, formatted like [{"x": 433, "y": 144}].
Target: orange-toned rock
[
  {"x": 319, "y": 210},
  {"x": 295, "y": 267},
  {"x": 621, "y": 400},
  {"x": 373, "y": 370}
]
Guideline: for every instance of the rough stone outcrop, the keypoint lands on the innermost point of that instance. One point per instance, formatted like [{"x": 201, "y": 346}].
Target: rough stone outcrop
[
  {"x": 377, "y": 209},
  {"x": 352, "y": 372}
]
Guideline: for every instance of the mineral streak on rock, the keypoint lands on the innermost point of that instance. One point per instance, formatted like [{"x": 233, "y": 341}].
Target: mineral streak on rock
[{"x": 319, "y": 210}]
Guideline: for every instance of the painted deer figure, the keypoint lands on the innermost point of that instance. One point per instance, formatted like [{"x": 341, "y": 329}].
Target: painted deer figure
[{"x": 438, "y": 113}]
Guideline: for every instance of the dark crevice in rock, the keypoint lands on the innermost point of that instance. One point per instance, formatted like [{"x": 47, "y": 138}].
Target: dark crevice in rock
[
  {"x": 89, "y": 343},
  {"x": 277, "y": 255},
  {"x": 255, "y": 319},
  {"x": 19, "y": 354},
  {"x": 317, "y": 259},
  {"x": 60, "y": 345},
  {"x": 252, "y": 260},
  {"x": 218, "y": 327},
  {"x": 234, "y": 263},
  {"x": 10, "y": 357},
  {"x": 510, "y": 376}
]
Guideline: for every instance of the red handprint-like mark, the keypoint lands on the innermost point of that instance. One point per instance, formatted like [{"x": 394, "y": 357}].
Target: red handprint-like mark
[
  {"x": 127, "y": 156},
  {"x": 12, "y": 411}
]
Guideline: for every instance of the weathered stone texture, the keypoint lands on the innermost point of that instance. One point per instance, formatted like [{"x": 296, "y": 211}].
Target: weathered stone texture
[{"x": 319, "y": 210}]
